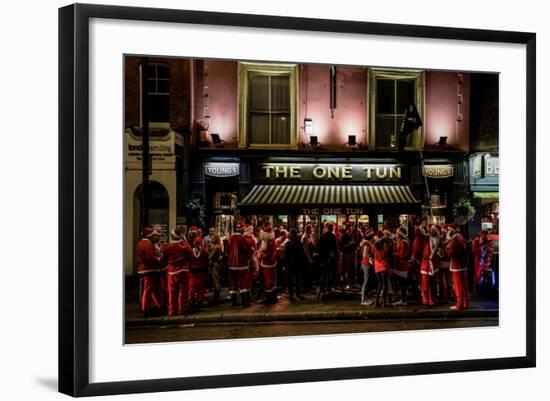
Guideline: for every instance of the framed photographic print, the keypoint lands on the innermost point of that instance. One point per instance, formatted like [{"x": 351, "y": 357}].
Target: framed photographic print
[{"x": 294, "y": 199}]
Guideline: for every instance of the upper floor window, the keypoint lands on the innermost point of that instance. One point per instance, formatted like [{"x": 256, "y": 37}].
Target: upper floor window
[
  {"x": 391, "y": 93},
  {"x": 267, "y": 102},
  {"x": 158, "y": 93}
]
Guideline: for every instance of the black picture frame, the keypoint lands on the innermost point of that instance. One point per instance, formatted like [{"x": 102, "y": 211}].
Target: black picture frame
[{"x": 74, "y": 198}]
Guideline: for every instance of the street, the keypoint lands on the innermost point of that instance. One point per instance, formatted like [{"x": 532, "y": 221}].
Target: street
[{"x": 226, "y": 331}]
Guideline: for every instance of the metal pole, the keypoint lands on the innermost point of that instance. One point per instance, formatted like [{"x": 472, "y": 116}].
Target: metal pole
[
  {"x": 145, "y": 165},
  {"x": 424, "y": 175}
]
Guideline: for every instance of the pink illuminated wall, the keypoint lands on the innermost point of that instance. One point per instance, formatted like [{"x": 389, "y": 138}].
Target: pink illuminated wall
[
  {"x": 220, "y": 91},
  {"x": 350, "y": 115},
  {"x": 447, "y": 108}
]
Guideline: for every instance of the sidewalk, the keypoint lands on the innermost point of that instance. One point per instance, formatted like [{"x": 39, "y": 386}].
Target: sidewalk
[{"x": 308, "y": 310}]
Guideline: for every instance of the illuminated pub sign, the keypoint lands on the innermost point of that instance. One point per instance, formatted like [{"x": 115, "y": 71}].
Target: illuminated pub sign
[
  {"x": 329, "y": 172},
  {"x": 332, "y": 210},
  {"x": 221, "y": 170},
  {"x": 438, "y": 171},
  {"x": 485, "y": 165}
]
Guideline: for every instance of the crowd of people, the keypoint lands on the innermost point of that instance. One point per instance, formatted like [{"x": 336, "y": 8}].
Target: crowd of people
[{"x": 427, "y": 265}]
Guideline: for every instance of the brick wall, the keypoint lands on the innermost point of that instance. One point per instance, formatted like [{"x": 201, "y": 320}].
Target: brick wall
[{"x": 180, "y": 93}]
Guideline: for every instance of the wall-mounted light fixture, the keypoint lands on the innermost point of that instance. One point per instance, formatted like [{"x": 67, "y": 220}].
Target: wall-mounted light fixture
[
  {"x": 442, "y": 141},
  {"x": 216, "y": 140}
]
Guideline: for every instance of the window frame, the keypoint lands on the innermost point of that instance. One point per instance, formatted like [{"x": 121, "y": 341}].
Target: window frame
[
  {"x": 419, "y": 77},
  {"x": 245, "y": 69},
  {"x": 154, "y": 124}
]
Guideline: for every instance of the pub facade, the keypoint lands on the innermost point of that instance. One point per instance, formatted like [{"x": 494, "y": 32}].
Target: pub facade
[{"x": 297, "y": 144}]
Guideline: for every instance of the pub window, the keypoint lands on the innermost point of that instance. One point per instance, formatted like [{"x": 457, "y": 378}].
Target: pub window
[
  {"x": 158, "y": 93},
  {"x": 392, "y": 91},
  {"x": 267, "y": 101}
]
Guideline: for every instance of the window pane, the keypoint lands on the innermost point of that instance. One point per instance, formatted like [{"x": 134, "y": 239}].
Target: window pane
[
  {"x": 163, "y": 86},
  {"x": 280, "y": 128},
  {"x": 259, "y": 128},
  {"x": 151, "y": 86},
  {"x": 405, "y": 95},
  {"x": 385, "y": 96},
  {"x": 280, "y": 94},
  {"x": 159, "y": 108},
  {"x": 259, "y": 93},
  {"x": 152, "y": 70},
  {"x": 384, "y": 130},
  {"x": 163, "y": 71}
]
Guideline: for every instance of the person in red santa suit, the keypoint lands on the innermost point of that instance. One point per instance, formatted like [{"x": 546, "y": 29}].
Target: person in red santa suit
[
  {"x": 176, "y": 259},
  {"x": 444, "y": 278},
  {"x": 421, "y": 236},
  {"x": 253, "y": 261},
  {"x": 268, "y": 263},
  {"x": 456, "y": 249},
  {"x": 148, "y": 258},
  {"x": 401, "y": 264},
  {"x": 429, "y": 266},
  {"x": 379, "y": 251},
  {"x": 198, "y": 267},
  {"x": 239, "y": 252},
  {"x": 482, "y": 249}
]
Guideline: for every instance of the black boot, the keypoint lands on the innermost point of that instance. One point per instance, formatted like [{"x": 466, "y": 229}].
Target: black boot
[
  {"x": 270, "y": 298},
  {"x": 216, "y": 299},
  {"x": 384, "y": 299},
  {"x": 245, "y": 299},
  {"x": 234, "y": 299},
  {"x": 377, "y": 303}
]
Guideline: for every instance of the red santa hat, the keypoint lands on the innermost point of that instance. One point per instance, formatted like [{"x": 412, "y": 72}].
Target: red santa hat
[
  {"x": 149, "y": 231},
  {"x": 248, "y": 229},
  {"x": 434, "y": 227},
  {"x": 177, "y": 233},
  {"x": 267, "y": 233},
  {"x": 193, "y": 229}
]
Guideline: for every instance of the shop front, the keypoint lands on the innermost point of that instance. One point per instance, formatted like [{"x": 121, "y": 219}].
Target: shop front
[
  {"x": 295, "y": 193},
  {"x": 484, "y": 187},
  {"x": 441, "y": 177},
  {"x": 221, "y": 183}
]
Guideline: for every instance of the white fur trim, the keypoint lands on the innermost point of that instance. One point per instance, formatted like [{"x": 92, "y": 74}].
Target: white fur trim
[
  {"x": 174, "y": 235},
  {"x": 238, "y": 267},
  {"x": 273, "y": 265},
  {"x": 176, "y": 272}
]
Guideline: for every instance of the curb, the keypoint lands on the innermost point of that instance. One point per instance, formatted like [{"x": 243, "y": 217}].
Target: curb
[{"x": 308, "y": 316}]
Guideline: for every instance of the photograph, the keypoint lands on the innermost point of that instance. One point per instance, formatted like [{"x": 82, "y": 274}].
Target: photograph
[{"x": 267, "y": 198}]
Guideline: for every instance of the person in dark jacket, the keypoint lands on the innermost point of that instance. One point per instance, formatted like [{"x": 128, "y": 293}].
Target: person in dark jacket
[
  {"x": 411, "y": 122},
  {"x": 328, "y": 258},
  {"x": 294, "y": 261},
  {"x": 348, "y": 245}
]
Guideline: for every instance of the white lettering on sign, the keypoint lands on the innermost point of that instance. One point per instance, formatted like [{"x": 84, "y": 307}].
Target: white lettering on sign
[
  {"x": 438, "y": 171},
  {"x": 331, "y": 172},
  {"x": 221, "y": 169},
  {"x": 328, "y": 210},
  {"x": 492, "y": 166}
]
